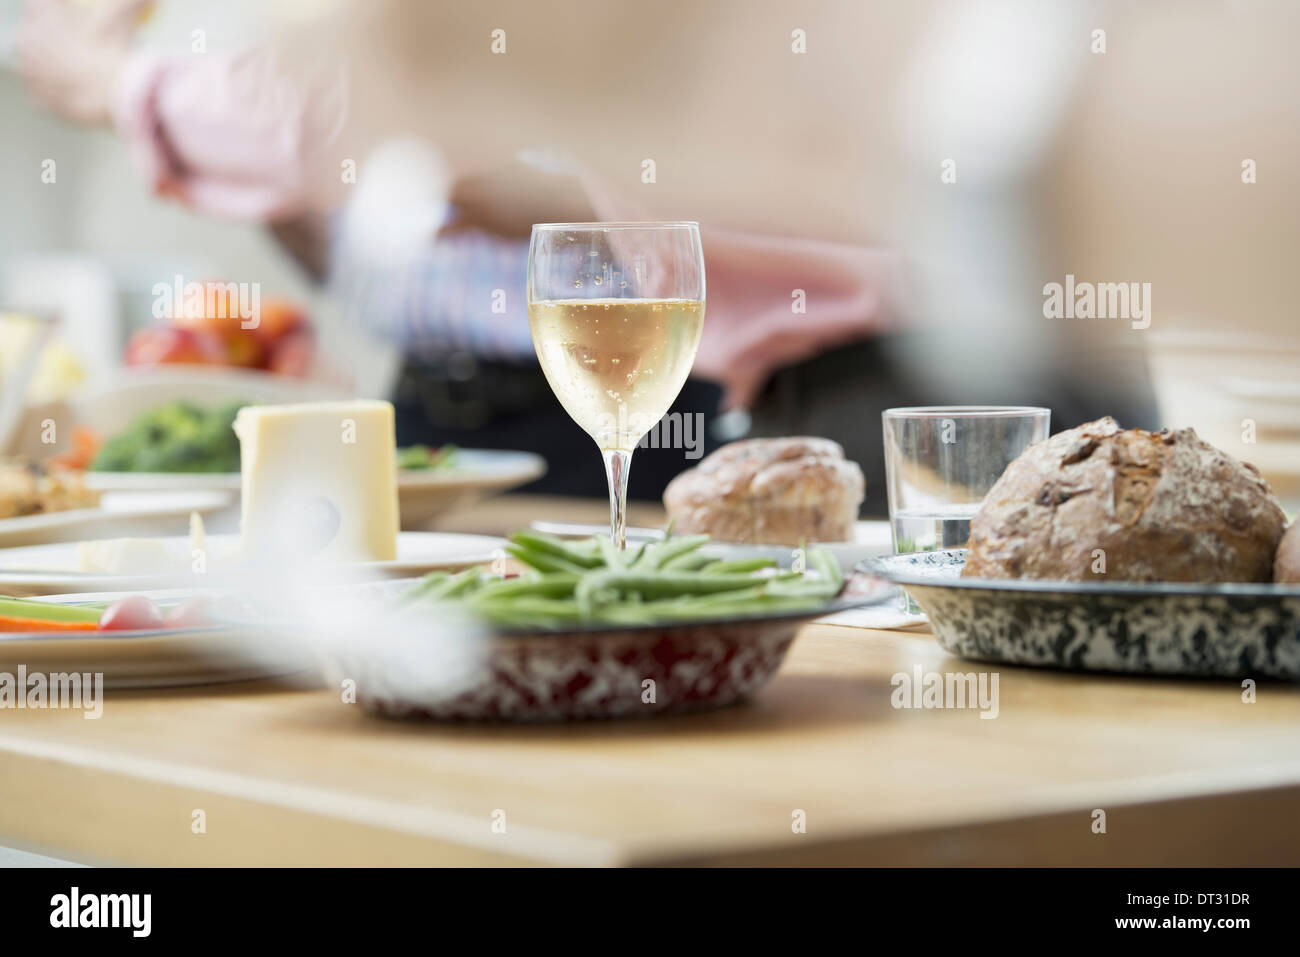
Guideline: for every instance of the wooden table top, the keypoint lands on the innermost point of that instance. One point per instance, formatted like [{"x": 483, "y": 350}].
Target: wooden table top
[{"x": 1185, "y": 771}]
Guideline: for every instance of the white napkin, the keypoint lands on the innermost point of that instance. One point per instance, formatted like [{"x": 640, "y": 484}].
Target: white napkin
[{"x": 886, "y": 616}]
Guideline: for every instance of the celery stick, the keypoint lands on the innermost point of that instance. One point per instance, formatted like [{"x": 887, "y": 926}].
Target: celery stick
[{"x": 46, "y": 611}]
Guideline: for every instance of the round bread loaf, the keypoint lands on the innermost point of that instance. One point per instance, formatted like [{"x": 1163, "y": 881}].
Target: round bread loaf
[
  {"x": 770, "y": 491},
  {"x": 1286, "y": 565},
  {"x": 1100, "y": 503}
]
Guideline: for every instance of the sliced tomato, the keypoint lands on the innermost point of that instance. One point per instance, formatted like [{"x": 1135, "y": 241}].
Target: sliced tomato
[
  {"x": 191, "y": 613},
  {"x": 133, "y": 613}
]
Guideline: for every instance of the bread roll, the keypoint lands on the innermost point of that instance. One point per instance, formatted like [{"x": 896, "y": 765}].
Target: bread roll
[
  {"x": 1286, "y": 565},
  {"x": 769, "y": 491},
  {"x": 1100, "y": 503}
]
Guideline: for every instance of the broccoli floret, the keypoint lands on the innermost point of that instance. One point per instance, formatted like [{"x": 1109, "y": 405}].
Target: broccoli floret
[
  {"x": 423, "y": 457},
  {"x": 178, "y": 437}
]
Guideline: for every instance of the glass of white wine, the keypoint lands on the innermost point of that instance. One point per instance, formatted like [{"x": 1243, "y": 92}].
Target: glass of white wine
[{"x": 616, "y": 311}]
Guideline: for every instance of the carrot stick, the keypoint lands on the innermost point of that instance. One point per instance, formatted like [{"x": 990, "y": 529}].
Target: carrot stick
[{"x": 9, "y": 623}]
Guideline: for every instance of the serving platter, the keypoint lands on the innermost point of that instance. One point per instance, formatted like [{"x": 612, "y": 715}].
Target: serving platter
[
  {"x": 1174, "y": 628},
  {"x": 142, "y": 513},
  {"x": 165, "y": 657},
  {"x": 51, "y": 569}
]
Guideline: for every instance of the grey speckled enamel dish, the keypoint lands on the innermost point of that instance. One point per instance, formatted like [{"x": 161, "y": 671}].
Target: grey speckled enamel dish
[{"x": 1229, "y": 630}]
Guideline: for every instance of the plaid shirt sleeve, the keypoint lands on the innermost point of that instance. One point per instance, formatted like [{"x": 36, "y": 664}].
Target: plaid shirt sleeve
[{"x": 464, "y": 292}]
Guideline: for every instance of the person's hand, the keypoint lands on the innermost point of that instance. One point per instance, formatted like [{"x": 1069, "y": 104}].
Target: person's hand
[{"x": 70, "y": 53}]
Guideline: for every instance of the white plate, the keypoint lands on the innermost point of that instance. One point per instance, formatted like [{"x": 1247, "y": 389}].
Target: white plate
[
  {"x": 162, "y": 481},
  {"x": 51, "y": 569},
  {"x": 422, "y": 494},
  {"x": 125, "y": 393},
  {"x": 870, "y": 540},
  {"x": 159, "y": 658},
  {"x": 141, "y": 514},
  {"x": 473, "y": 467}
]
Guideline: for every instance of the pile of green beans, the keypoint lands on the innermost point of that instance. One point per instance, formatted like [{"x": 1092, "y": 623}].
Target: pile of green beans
[{"x": 590, "y": 582}]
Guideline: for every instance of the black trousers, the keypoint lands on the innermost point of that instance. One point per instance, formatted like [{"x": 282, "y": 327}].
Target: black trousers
[
  {"x": 839, "y": 394},
  {"x": 496, "y": 405}
]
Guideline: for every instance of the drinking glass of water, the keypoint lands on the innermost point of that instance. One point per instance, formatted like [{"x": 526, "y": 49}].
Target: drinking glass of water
[{"x": 940, "y": 462}]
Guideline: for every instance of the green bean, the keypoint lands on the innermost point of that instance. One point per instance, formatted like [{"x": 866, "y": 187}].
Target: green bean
[
  {"x": 691, "y": 562},
  {"x": 632, "y": 614},
  {"x": 609, "y": 552},
  {"x": 661, "y": 553},
  {"x": 736, "y": 595},
  {"x": 562, "y": 609},
  {"x": 726, "y": 599},
  {"x": 808, "y": 588},
  {"x": 543, "y": 561},
  {"x": 645, "y": 558},
  {"x": 739, "y": 566},
  {"x": 668, "y": 580},
  {"x": 558, "y": 547},
  {"x": 425, "y": 585},
  {"x": 642, "y": 557},
  {"x": 826, "y": 563},
  {"x": 709, "y": 606},
  {"x": 762, "y": 598},
  {"x": 456, "y": 585},
  {"x": 640, "y": 553},
  {"x": 660, "y": 584},
  {"x": 556, "y": 585},
  {"x": 781, "y": 577},
  {"x": 587, "y": 600}
]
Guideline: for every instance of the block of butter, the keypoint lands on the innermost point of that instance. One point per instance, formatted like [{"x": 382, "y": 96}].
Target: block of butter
[{"x": 319, "y": 481}]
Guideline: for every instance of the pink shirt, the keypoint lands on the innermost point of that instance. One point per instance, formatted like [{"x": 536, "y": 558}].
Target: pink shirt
[{"x": 232, "y": 137}]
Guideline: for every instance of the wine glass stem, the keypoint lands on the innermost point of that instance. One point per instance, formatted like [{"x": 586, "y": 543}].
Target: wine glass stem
[{"x": 617, "y": 462}]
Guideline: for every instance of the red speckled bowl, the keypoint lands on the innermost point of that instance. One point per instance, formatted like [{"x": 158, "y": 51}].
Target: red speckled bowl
[{"x": 586, "y": 673}]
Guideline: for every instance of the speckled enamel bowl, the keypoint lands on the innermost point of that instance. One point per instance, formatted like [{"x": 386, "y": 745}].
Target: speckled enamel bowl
[
  {"x": 577, "y": 674},
  {"x": 1228, "y": 630}
]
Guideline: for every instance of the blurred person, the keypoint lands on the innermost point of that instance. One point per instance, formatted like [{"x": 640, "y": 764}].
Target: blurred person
[{"x": 771, "y": 128}]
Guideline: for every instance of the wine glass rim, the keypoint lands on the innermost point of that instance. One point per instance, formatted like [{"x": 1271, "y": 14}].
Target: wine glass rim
[
  {"x": 958, "y": 411},
  {"x": 620, "y": 225}
]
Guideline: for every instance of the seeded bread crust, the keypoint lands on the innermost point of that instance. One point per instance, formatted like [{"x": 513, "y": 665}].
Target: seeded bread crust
[
  {"x": 1160, "y": 506},
  {"x": 770, "y": 491}
]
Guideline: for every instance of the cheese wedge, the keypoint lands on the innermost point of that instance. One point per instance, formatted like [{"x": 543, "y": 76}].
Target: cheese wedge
[{"x": 319, "y": 481}]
